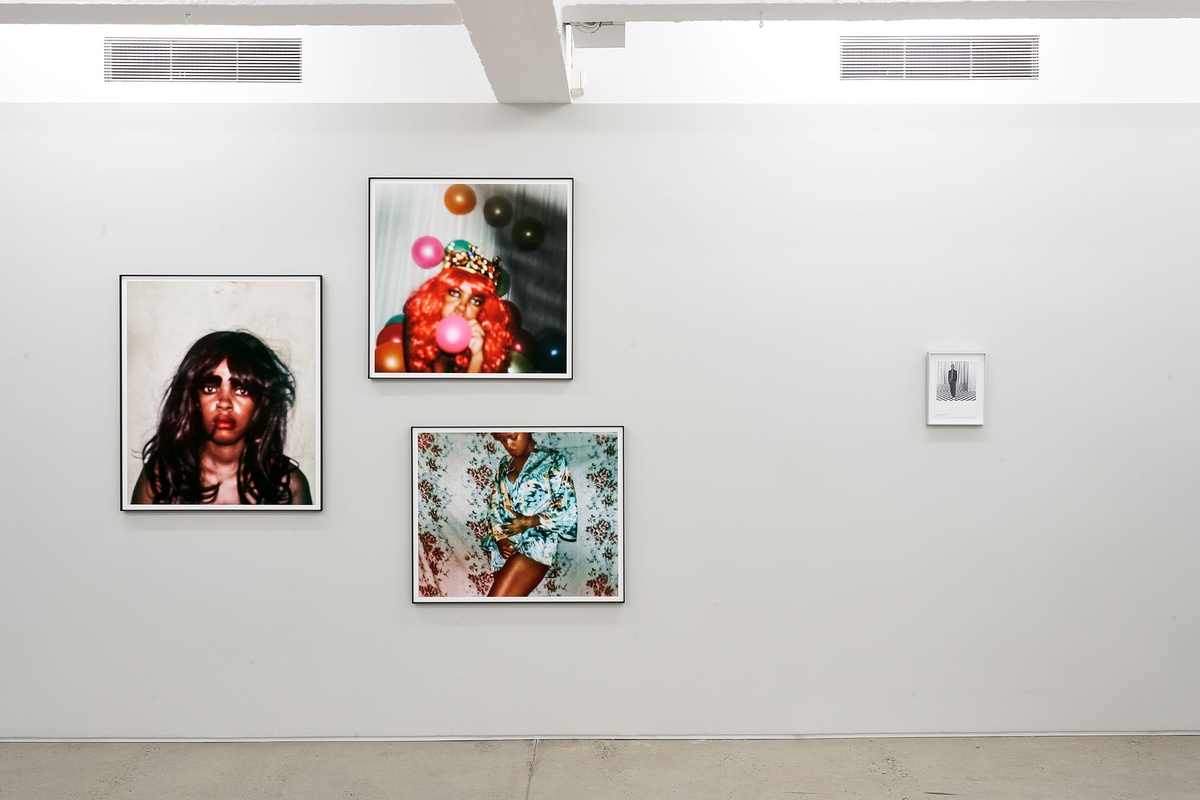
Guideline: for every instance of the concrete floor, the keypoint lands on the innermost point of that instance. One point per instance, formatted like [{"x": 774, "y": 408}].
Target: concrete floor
[{"x": 1021, "y": 768}]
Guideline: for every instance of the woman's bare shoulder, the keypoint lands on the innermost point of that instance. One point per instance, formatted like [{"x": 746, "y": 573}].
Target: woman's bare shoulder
[
  {"x": 298, "y": 485},
  {"x": 143, "y": 494}
]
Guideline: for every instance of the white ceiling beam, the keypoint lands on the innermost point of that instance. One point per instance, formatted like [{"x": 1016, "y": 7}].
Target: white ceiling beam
[
  {"x": 852, "y": 10},
  {"x": 258, "y": 12},
  {"x": 445, "y": 12},
  {"x": 520, "y": 43}
]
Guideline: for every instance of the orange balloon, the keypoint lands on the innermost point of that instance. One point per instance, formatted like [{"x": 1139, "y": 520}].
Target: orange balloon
[
  {"x": 389, "y": 357},
  {"x": 460, "y": 199}
]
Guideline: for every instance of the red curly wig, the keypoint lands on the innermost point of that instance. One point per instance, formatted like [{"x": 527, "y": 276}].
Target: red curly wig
[{"x": 423, "y": 311}]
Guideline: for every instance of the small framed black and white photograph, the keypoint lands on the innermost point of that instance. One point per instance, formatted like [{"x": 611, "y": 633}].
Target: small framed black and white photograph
[
  {"x": 955, "y": 385},
  {"x": 470, "y": 278},
  {"x": 220, "y": 392},
  {"x": 532, "y": 515}
]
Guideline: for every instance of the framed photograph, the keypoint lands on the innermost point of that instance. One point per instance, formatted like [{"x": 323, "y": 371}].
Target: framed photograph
[
  {"x": 534, "y": 515},
  {"x": 220, "y": 392},
  {"x": 470, "y": 278},
  {"x": 955, "y": 385}
]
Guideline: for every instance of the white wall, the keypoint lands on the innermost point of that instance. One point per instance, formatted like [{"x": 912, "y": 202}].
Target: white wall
[{"x": 755, "y": 291}]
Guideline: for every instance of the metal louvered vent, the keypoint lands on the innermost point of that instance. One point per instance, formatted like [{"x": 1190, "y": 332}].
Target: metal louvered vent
[
  {"x": 225, "y": 60},
  {"x": 939, "y": 58}
]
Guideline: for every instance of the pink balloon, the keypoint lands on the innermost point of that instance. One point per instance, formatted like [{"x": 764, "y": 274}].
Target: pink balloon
[
  {"x": 427, "y": 252},
  {"x": 453, "y": 334}
]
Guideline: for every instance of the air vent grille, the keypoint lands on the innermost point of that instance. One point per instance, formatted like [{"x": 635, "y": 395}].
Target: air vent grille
[
  {"x": 925, "y": 58},
  {"x": 223, "y": 60}
]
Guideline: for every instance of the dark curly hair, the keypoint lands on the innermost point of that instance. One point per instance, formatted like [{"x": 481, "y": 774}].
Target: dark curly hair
[{"x": 171, "y": 459}]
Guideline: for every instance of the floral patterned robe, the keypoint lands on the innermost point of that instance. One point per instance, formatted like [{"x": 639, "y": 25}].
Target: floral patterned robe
[{"x": 543, "y": 488}]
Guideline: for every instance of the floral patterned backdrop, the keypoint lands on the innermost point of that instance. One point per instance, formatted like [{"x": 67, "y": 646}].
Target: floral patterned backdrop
[{"x": 454, "y": 471}]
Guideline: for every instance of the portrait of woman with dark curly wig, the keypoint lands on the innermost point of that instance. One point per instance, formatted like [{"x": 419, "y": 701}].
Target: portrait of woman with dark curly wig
[
  {"x": 220, "y": 384},
  {"x": 222, "y": 429}
]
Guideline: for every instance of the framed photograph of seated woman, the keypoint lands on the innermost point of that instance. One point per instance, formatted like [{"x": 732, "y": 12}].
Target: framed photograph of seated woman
[
  {"x": 220, "y": 392},
  {"x": 954, "y": 388},
  {"x": 470, "y": 278},
  {"x": 530, "y": 515}
]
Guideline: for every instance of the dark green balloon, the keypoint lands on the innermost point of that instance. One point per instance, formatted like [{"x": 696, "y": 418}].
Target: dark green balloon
[
  {"x": 398, "y": 318},
  {"x": 459, "y": 244},
  {"x": 528, "y": 234},
  {"x": 503, "y": 281},
  {"x": 519, "y": 363},
  {"x": 498, "y": 211}
]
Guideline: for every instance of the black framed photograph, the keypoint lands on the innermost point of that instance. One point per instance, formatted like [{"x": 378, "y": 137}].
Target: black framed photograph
[
  {"x": 954, "y": 388},
  {"x": 220, "y": 392},
  {"x": 470, "y": 278},
  {"x": 531, "y": 515}
]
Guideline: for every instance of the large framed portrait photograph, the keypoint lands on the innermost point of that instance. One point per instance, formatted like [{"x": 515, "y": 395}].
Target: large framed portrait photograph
[
  {"x": 955, "y": 384},
  {"x": 532, "y": 515},
  {"x": 470, "y": 278},
  {"x": 220, "y": 392}
]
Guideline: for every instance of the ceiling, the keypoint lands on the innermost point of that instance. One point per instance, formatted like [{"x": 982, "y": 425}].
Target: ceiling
[{"x": 520, "y": 43}]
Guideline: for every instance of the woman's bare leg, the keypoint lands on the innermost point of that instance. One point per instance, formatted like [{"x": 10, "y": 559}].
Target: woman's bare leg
[{"x": 519, "y": 576}]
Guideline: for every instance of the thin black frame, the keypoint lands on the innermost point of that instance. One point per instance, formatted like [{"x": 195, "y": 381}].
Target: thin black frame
[
  {"x": 472, "y": 227},
  {"x": 315, "y": 477},
  {"x": 618, "y": 597}
]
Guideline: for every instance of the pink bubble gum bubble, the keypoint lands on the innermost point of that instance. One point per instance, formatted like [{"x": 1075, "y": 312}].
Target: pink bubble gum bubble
[{"x": 453, "y": 334}]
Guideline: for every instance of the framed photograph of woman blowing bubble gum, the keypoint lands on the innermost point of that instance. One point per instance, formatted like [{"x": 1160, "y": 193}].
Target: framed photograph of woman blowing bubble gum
[
  {"x": 525, "y": 515},
  {"x": 220, "y": 393},
  {"x": 469, "y": 278}
]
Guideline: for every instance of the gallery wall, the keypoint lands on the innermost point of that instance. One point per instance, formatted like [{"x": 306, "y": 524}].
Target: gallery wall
[{"x": 755, "y": 291}]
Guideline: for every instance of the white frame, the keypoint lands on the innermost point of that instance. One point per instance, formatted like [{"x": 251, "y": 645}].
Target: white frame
[
  {"x": 963, "y": 409},
  {"x": 619, "y": 562},
  {"x": 285, "y": 311},
  {"x": 392, "y": 275}
]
